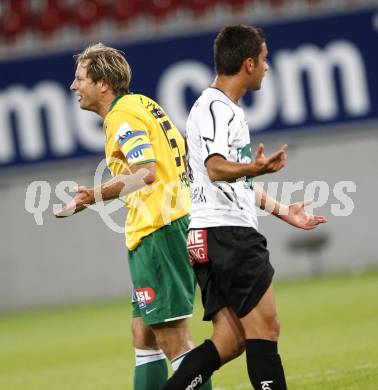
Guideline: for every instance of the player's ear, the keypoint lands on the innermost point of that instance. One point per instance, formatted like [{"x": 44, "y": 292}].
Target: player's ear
[
  {"x": 249, "y": 65},
  {"x": 104, "y": 87}
]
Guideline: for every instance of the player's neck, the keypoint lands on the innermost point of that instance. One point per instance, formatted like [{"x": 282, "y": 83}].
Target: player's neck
[
  {"x": 105, "y": 105},
  {"x": 230, "y": 86}
]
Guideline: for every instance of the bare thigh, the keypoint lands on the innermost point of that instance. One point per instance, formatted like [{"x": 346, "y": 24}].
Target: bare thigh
[
  {"x": 228, "y": 335},
  {"x": 143, "y": 336},
  {"x": 262, "y": 321}
]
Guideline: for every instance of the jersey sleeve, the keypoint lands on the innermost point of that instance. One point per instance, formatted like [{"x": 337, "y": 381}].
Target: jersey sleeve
[
  {"x": 132, "y": 136},
  {"x": 215, "y": 130}
]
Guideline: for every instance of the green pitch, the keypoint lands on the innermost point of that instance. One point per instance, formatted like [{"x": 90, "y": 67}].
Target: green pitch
[{"x": 329, "y": 341}]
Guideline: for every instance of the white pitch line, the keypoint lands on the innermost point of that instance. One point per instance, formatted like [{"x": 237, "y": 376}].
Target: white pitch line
[{"x": 315, "y": 374}]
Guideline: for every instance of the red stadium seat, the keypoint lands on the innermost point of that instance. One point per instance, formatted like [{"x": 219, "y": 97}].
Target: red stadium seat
[
  {"x": 15, "y": 19},
  {"x": 88, "y": 13},
  {"x": 122, "y": 11},
  {"x": 200, "y": 7},
  {"x": 159, "y": 9},
  {"x": 52, "y": 17},
  {"x": 277, "y": 3},
  {"x": 238, "y": 4}
]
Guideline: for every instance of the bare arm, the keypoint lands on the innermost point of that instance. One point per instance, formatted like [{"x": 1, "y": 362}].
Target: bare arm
[
  {"x": 294, "y": 214},
  {"x": 220, "y": 169},
  {"x": 129, "y": 181},
  {"x": 126, "y": 182},
  {"x": 267, "y": 203}
]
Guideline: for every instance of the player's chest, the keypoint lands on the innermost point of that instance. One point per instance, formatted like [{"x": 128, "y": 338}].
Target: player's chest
[{"x": 239, "y": 140}]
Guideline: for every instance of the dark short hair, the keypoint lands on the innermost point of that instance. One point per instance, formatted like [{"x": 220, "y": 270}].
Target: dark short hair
[{"x": 233, "y": 45}]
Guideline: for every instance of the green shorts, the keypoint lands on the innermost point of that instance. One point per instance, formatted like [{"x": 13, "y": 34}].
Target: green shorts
[{"x": 163, "y": 279}]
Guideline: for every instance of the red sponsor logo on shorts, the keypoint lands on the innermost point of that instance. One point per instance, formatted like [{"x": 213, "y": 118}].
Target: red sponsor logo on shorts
[
  {"x": 146, "y": 295},
  {"x": 197, "y": 246}
]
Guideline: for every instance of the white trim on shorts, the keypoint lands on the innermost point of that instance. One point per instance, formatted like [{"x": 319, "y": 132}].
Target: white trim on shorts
[{"x": 178, "y": 318}]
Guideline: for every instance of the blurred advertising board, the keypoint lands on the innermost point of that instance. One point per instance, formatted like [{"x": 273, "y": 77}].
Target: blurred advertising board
[{"x": 323, "y": 71}]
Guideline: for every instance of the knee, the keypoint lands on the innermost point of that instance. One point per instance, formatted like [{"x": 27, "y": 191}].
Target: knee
[
  {"x": 173, "y": 343},
  {"x": 142, "y": 336},
  {"x": 238, "y": 347},
  {"x": 230, "y": 348},
  {"x": 274, "y": 327},
  {"x": 161, "y": 340}
]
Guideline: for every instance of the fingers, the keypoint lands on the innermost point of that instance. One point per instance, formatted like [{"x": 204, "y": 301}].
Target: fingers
[
  {"x": 260, "y": 151},
  {"x": 307, "y": 202},
  {"x": 78, "y": 203},
  {"x": 68, "y": 210},
  {"x": 81, "y": 189},
  {"x": 315, "y": 220},
  {"x": 280, "y": 155},
  {"x": 274, "y": 162},
  {"x": 282, "y": 149},
  {"x": 320, "y": 219}
]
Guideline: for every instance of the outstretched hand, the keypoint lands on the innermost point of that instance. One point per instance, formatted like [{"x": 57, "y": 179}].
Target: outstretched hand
[
  {"x": 120, "y": 185},
  {"x": 272, "y": 163},
  {"x": 296, "y": 215},
  {"x": 84, "y": 197}
]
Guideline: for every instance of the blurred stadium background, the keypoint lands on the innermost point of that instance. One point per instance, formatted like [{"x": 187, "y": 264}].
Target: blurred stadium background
[{"x": 320, "y": 97}]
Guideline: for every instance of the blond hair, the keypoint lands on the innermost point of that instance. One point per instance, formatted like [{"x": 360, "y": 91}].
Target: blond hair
[{"x": 106, "y": 64}]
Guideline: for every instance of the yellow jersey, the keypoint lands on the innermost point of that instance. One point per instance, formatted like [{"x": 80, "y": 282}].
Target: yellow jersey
[{"x": 138, "y": 131}]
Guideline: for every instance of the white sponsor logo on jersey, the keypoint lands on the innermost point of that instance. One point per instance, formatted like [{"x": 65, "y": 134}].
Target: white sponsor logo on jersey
[{"x": 123, "y": 130}]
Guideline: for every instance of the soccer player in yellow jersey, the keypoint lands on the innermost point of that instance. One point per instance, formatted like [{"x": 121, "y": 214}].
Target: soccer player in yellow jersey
[{"x": 140, "y": 137}]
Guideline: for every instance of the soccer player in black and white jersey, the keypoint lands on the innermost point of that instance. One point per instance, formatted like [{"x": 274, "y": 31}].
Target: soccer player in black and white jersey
[{"x": 227, "y": 252}]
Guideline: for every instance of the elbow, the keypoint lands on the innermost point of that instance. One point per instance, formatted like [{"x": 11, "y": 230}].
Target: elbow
[
  {"x": 148, "y": 172},
  {"x": 213, "y": 175},
  {"x": 215, "y": 166},
  {"x": 150, "y": 178},
  {"x": 213, "y": 178}
]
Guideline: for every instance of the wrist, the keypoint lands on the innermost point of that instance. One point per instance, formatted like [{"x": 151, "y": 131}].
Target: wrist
[
  {"x": 94, "y": 195},
  {"x": 282, "y": 211},
  {"x": 255, "y": 170}
]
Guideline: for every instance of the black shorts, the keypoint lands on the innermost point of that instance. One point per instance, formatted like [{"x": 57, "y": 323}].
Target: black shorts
[{"x": 232, "y": 267}]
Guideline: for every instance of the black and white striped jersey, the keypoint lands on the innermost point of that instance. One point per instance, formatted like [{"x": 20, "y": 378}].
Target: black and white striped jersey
[{"x": 217, "y": 126}]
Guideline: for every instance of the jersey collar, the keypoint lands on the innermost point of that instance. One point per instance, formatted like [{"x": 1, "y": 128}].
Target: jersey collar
[{"x": 114, "y": 102}]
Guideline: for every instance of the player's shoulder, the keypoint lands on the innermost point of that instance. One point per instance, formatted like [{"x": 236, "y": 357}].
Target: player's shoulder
[
  {"x": 138, "y": 102},
  {"x": 131, "y": 102},
  {"x": 212, "y": 96},
  {"x": 212, "y": 102},
  {"x": 134, "y": 105}
]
